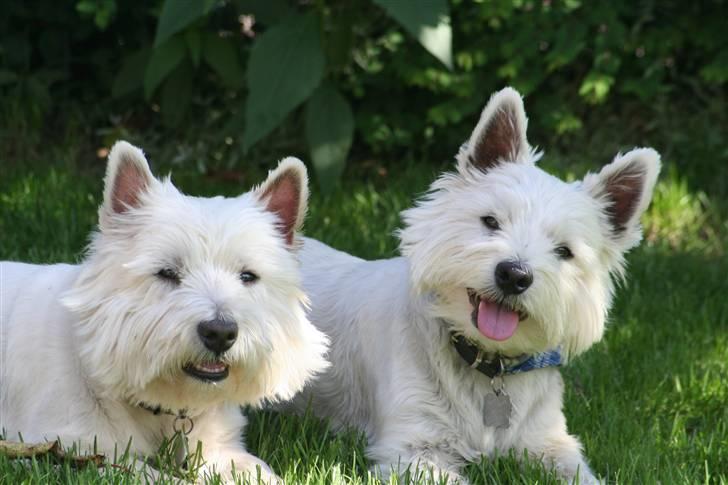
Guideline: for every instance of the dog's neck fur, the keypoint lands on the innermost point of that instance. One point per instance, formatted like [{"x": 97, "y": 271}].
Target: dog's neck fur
[{"x": 436, "y": 337}]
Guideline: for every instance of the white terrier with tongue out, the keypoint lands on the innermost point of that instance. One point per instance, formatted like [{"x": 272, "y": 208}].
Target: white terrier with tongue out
[
  {"x": 183, "y": 309},
  {"x": 450, "y": 352}
]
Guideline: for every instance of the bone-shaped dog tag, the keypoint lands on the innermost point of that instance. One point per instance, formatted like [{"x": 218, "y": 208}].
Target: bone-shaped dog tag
[
  {"x": 497, "y": 410},
  {"x": 181, "y": 446}
]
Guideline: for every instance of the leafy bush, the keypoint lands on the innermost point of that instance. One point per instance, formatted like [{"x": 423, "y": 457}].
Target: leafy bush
[
  {"x": 389, "y": 77},
  {"x": 297, "y": 60}
]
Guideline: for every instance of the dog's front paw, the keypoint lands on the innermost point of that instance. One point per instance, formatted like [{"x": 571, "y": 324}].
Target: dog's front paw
[
  {"x": 243, "y": 469},
  {"x": 586, "y": 478},
  {"x": 259, "y": 476},
  {"x": 582, "y": 476},
  {"x": 419, "y": 471},
  {"x": 256, "y": 471},
  {"x": 255, "y": 474}
]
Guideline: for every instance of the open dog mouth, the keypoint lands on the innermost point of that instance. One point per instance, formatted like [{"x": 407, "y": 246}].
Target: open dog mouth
[
  {"x": 207, "y": 371},
  {"x": 495, "y": 320}
]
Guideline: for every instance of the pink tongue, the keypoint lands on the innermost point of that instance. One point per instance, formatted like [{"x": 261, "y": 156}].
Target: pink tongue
[{"x": 495, "y": 322}]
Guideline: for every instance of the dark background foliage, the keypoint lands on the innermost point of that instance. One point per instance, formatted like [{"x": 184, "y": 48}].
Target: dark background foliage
[{"x": 238, "y": 83}]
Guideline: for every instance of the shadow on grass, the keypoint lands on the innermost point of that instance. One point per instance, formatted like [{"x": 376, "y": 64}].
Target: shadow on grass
[{"x": 293, "y": 445}]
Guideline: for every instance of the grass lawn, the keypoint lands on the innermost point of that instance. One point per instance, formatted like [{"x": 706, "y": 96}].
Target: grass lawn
[{"x": 649, "y": 402}]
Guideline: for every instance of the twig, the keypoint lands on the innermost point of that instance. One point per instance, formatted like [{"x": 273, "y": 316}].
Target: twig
[{"x": 15, "y": 450}]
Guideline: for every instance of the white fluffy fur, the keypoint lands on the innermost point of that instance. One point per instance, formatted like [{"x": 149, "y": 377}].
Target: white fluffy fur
[
  {"x": 395, "y": 373},
  {"x": 83, "y": 345}
]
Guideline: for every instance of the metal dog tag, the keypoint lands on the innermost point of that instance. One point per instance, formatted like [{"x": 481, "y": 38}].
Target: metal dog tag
[
  {"x": 183, "y": 426},
  {"x": 497, "y": 410}
]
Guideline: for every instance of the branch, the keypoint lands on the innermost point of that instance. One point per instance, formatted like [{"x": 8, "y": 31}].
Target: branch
[{"x": 15, "y": 450}]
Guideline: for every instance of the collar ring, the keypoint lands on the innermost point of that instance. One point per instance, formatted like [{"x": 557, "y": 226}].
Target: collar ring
[{"x": 183, "y": 424}]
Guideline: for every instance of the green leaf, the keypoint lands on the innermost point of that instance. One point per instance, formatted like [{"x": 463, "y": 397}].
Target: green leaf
[
  {"x": 596, "y": 87},
  {"x": 329, "y": 133},
  {"x": 178, "y": 14},
  {"x": 267, "y": 12},
  {"x": 102, "y": 11},
  {"x": 86, "y": 7},
  {"x": 131, "y": 75},
  {"x": 286, "y": 65},
  {"x": 176, "y": 94},
  {"x": 193, "y": 39},
  {"x": 222, "y": 55},
  {"x": 428, "y": 21},
  {"x": 164, "y": 59}
]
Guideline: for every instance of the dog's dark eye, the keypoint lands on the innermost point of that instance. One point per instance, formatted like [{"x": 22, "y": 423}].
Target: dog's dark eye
[
  {"x": 169, "y": 274},
  {"x": 490, "y": 222},
  {"x": 564, "y": 252},
  {"x": 248, "y": 277}
]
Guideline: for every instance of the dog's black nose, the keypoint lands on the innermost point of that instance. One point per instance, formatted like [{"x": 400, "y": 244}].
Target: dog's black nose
[
  {"x": 513, "y": 277},
  {"x": 218, "y": 335}
]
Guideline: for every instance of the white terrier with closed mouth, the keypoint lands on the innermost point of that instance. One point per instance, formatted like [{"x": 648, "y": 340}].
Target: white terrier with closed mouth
[
  {"x": 449, "y": 353},
  {"x": 183, "y": 309}
]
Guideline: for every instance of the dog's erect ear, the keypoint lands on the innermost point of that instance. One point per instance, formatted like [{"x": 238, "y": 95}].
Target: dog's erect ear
[
  {"x": 127, "y": 178},
  {"x": 285, "y": 193},
  {"x": 625, "y": 186},
  {"x": 500, "y": 135}
]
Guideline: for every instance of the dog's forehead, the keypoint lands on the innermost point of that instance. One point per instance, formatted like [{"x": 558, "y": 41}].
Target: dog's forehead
[
  {"x": 530, "y": 185},
  {"x": 527, "y": 195},
  {"x": 212, "y": 221},
  {"x": 216, "y": 212}
]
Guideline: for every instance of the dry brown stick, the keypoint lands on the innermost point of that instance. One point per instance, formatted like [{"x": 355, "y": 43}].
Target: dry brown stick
[{"x": 15, "y": 450}]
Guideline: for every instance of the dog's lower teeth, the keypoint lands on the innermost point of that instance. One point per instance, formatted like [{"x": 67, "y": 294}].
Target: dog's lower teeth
[{"x": 212, "y": 368}]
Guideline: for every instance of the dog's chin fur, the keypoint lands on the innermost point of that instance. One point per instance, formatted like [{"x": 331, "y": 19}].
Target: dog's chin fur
[
  {"x": 453, "y": 308},
  {"x": 395, "y": 373},
  {"x": 115, "y": 332},
  {"x": 194, "y": 396}
]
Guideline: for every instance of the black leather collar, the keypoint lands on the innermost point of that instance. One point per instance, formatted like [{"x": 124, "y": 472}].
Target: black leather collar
[
  {"x": 158, "y": 409},
  {"x": 494, "y": 365},
  {"x": 474, "y": 357}
]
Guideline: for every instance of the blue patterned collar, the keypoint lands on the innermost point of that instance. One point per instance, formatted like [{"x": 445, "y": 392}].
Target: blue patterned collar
[{"x": 498, "y": 365}]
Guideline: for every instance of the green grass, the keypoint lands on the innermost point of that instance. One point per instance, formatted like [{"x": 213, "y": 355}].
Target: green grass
[{"x": 648, "y": 402}]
